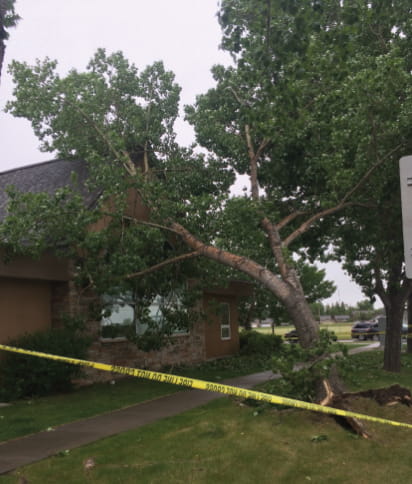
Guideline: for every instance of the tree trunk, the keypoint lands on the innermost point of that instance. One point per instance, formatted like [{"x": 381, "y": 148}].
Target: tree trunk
[
  {"x": 394, "y": 297},
  {"x": 409, "y": 334},
  {"x": 289, "y": 291},
  {"x": 248, "y": 320},
  {"x": 302, "y": 317},
  {"x": 393, "y": 339}
]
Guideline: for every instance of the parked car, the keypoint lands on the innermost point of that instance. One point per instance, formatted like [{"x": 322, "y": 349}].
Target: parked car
[
  {"x": 365, "y": 330},
  {"x": 291, "y": 336}
]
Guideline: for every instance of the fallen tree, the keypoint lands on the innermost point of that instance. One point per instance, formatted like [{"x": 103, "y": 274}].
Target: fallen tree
[{"x": 275, "y": 117}]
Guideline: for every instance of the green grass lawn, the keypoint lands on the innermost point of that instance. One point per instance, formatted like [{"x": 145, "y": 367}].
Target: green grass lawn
[
  {"x": 342, "y": 330},
  {"x": 226, "y": 441}
]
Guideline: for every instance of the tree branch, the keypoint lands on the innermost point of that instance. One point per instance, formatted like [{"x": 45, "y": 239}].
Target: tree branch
[
  {"x": 341, "y": 205},
  {"x": 254, "y": 187},
  {"x": 275, "y": 243},
  {"x": 167, "y": 262},
  {"x": 289, "y": 218},
  {"x": 369, "y": 173},
  {"x": 379, "y": 288},
  {"x": 262, "y": 146},
  {"x": 128, "y": 164},
  {"x": 253, "y": 158},
  {"x": 151, "y": 224},
  {"x": 236, "y": 95},
  {"x": 270, "y": 280},
  {"x": 305, "y": 226}
]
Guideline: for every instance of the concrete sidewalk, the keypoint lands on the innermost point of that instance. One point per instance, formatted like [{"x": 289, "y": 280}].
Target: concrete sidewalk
[{"x": 26, "y": 450}]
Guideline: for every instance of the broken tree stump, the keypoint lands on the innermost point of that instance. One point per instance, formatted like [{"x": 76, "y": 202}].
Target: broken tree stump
[{"x": 336, "y": 400}]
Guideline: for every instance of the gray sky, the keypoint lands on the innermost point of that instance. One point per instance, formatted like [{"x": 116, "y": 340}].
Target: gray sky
[{"x": 184, "y": 34}]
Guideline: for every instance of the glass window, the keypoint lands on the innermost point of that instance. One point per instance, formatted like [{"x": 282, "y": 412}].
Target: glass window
[
  {"x": 224, "y": 314},
  {"x": 118, "y": 317},
  {"x": 122, "y": 314}
]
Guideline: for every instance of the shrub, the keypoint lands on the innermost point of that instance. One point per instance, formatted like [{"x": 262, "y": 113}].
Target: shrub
[
  {"x": 302, "y": 383},
  {"x": 254, "y": 343},
  {"x": 26, "y": 376}
]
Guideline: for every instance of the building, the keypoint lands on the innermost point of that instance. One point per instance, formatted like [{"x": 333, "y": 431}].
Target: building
[{"x": 36, "y": 293}]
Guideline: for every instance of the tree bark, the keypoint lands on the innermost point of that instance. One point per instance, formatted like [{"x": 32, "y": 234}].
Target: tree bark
[
  {"x": 394, "y": 297},
  {"x": 289, "y": 291},
  {"x": 393, "y": 339},
  {"x": 409, "y": 334}
]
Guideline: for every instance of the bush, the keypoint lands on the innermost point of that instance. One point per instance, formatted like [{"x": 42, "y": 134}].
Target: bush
[
  {"x": 27, "y": 376},
  {"x": 302, "y": 383},
  {"x": 254, "y": 343}
]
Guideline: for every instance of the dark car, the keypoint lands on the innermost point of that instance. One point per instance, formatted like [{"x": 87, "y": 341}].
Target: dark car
[
  {"x": 365, "y": 330},
  {"x": 291, "y": 336}
]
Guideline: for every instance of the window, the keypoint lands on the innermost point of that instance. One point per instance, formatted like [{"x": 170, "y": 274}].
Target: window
[
  {"x": 121, "y": 319},
  {"x": 118, "y": 316},
  {"x": 224, "y": 313},
  {"x": 121, "y": 313}
]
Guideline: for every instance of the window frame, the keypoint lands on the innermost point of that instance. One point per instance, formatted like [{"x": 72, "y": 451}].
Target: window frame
[{"x": 225, "y": 324}]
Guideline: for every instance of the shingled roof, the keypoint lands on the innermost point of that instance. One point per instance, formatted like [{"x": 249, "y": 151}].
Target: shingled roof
[{"x": 46, "y": 177}]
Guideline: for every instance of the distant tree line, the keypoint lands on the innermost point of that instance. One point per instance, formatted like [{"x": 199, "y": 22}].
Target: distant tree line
[{"x": 362, "y": 310}]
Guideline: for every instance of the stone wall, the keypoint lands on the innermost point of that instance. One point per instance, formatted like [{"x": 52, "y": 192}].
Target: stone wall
[{"x": 184, "y": 349}]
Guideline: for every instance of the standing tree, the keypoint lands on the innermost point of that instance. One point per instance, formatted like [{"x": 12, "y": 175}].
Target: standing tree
[{"x": 376, "y": 94}]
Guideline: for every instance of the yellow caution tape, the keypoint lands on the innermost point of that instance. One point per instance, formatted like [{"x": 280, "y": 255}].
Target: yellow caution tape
[{"x": 208, "y": 386}]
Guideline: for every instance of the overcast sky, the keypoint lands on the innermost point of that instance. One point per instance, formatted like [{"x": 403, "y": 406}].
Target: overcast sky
[{"x": 184, "y": 34}]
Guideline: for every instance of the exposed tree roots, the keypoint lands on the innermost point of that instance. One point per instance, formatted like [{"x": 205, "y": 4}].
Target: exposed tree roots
[{"x": 385, "y": 396}]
